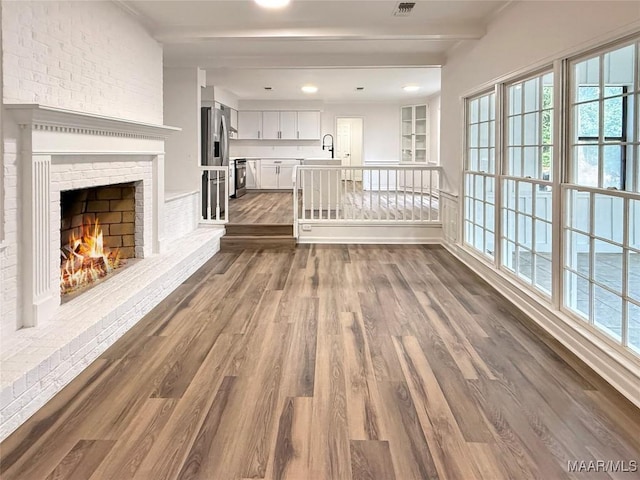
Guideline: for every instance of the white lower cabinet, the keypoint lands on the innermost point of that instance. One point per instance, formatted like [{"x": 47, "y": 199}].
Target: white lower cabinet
[
  {"x": 269, "y": 175},
  {"x": 277, "y": 174}
]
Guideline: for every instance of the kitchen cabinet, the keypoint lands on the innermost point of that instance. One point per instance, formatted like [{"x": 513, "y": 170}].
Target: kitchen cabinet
[
  {"x": 269, "y": 173},
  {"x": 279, "y": 125},
  {"x": 288, "y": 125},
  {"x": 253, "y": 174},
  {"x": 414, "y": 134},
  {"x": 249, "y": 125},
  {"x": 308, "y": 125},
  {"x": 277, "y": 174}
]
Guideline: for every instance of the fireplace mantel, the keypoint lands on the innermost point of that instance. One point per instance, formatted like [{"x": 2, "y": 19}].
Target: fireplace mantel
[
  {"x": 54, "y": 140},
  {"x": 45, "y": 116}
]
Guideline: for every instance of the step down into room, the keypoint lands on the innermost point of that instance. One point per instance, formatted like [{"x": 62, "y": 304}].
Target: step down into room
[{"x": 241, "y": 236}]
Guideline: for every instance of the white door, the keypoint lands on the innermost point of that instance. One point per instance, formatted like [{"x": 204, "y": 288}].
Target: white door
[{"x": 349, "y": 140}]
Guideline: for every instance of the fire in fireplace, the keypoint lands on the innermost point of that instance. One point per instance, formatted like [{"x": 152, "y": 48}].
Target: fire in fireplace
[
  {"x": 97, "y": 234},
  {"x": 86, "y": 259}
]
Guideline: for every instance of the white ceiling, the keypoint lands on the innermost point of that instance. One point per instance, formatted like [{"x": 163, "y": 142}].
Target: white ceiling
[
  {"x": 244, "y": 47},
  {"x": 335, "y": 85}
]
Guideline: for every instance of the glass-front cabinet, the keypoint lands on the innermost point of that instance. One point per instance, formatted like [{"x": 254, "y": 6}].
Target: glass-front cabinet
[{"x": 414, "y": 130}]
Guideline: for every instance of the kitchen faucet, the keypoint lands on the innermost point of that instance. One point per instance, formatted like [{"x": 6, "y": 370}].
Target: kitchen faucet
[{"x": 329, "y": 146}]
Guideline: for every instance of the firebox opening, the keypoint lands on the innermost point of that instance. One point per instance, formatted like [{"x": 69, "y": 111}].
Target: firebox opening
[{"x": 97, "y": 234}]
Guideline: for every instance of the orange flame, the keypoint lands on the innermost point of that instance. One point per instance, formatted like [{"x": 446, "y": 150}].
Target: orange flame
[{"x": 85, "y": 259}]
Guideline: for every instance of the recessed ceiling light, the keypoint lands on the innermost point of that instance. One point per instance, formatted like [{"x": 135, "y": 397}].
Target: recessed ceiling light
[
  {"x": 411, "y": 88},
  {"x": 309, "y": 89},
  {"x": 272, "y": 3}
]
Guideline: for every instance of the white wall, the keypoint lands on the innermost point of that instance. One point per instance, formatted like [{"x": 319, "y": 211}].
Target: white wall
[
  {"x": 182, "y": 99},
  {"x": 86, "y": 56},
  {"x": 225, "y": 97},
  {"x": 525, "y": 33},
  {"x": 381, "y": 123}
]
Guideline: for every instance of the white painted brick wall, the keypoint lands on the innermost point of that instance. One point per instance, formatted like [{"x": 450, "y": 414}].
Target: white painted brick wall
[
  {"x": 9, "y": 299},
  {"x": 88, "y": 56},
  {"x": 180, "y": 216},
  {"x": 85, "y": 56}
]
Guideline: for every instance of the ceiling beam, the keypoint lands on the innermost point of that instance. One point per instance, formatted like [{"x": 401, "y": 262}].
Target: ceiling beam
[
  {"x": 416, "y": 32},
  {"x": 358, "y": 60}
]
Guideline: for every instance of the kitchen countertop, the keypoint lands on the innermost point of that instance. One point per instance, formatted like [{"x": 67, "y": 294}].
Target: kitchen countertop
[
  {"x": 267, "y": 158},
  {"x": 281, "y": 158},
  {"x": 321, "y": 161}
]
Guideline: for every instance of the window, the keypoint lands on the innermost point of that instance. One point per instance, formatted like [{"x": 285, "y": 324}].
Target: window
[
  {"x": 592, "y": 254},
  {"x": 600, "y": 256},
  {"x": 526, "y": 187},
  {"x": 479, "y": 224}
]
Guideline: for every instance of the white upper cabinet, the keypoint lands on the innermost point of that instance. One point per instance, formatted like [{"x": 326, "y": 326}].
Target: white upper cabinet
[
  {"x": 288, "y": 122},
  {"x": 278, "y": 125},
  {"x": 271, "y": 125},
  {"x": 308, "y": 126},
  {"x": 249, "y": 125}
]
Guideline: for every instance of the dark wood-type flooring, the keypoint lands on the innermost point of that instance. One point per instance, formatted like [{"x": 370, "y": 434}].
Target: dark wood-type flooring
[{"x": 328, "y": 363}]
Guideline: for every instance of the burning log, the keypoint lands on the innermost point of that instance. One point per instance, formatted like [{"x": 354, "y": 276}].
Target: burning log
[
  {"x": 95, "y": 263},
  {"x": 85, "y": 260}
]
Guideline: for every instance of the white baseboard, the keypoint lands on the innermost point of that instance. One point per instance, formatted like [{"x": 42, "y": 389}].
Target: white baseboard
[{"x": 369, "y": 233}]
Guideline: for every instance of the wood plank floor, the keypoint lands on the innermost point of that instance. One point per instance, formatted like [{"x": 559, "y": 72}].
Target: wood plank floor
[
  {"x": 262, "y": 207},
  {"x": 329, "y": 363}
]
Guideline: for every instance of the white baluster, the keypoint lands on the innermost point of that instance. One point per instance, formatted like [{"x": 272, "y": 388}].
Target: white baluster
[
  {"x": 353, "y": 189},
  {"x": 413, "y": 194},
  {"x": 388, "y": 186},
  {"x": 421, "y": 192},
  {"x": 404, "y": 189},
  {"x": 217, "y": 182},
  {"x": 313, "y": 205},
  {"x": 431, "y": 172},
  {"x": 328, "y": 174},
  {"x": 304, "y": 176},
  {"x": 378, "y": 216},
  {"x": 209, "y": 194},
  {"x": 370, "y": 204}
]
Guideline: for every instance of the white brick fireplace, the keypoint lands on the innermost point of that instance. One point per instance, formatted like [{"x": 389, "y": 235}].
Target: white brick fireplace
[
  {"x": 65, "y": 150},
  {"x": 60, "y": 150}
]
